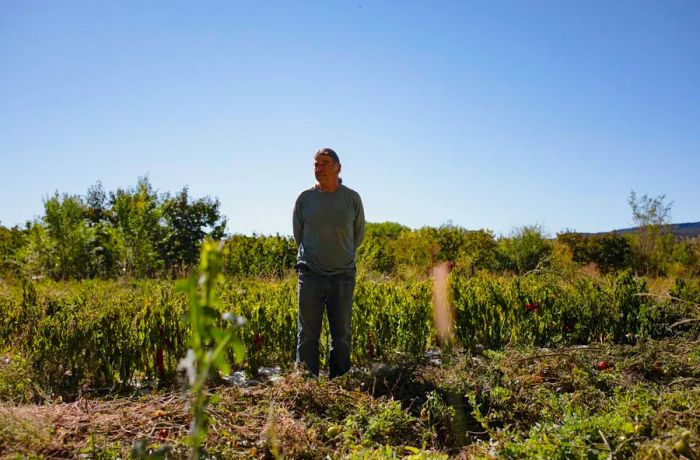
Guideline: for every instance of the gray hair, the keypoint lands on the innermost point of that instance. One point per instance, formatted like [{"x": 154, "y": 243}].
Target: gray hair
[{"x": 329, "y": 153}]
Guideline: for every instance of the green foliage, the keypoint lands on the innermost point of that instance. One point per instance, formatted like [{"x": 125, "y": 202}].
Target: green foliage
[
  {"x": 579, "y": 435},
  {"x": 597, "y": 401},
  {"x": 69, "y": 241},
  {"x": 650, "y": 211},
  {"x": 548, "y": 310},
  {"x": 391, "y": 250},
  {"x": 136, "y": 215},
  {"x": 477, "y": 252},
  {"x": 141, "y": 450},
  {"x": 387, "y": 424},
  {"x": 135, "y": 232},
  {"x": 609, "y": 251},
  {"x": 686, "y": 291},
  {"x": 442, "y": 418},
  {"x": 138, "y": 233},
  {"x": 105, "y": 244},
  {"x": 378, "y": 251},
  {"x": 16, "y": 379},
  {"x": 93, "y": 333},
  {"x": 187, "y": 223},
  {"x": 415, "y": 253},
  {"x": 450, "y": 239},
  {"x": 66, "y": 242},
  {"x": 106, "y": 333},
  {"x": 613, "y": 252},
  {"x": 390, "y": 317},
  {"x": 392, "y": 453},
  {"x": 11, "y": 241},
  {"x": 209, "y": 342},
  {"x": 260, "y": 256},
  {"x": 686, "y": 258},
  {"x": 525, "y": 250},
  {"x": 387, "y": 230},
  {"x": 654, "y": 243}
]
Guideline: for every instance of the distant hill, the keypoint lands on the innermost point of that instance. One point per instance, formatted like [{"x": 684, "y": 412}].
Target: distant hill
[{"x": 687, "y": 230}]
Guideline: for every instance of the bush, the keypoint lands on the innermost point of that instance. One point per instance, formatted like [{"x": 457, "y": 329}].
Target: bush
[
  {"x": 106, "y": 333},
  {"x": 260, "y": 256},
  {"x": 524, "y": 250}
]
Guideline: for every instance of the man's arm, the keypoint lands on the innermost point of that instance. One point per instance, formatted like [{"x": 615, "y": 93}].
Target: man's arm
[
  {"x": 359, "y": 230},
  {"x": 297, "y": 222}
]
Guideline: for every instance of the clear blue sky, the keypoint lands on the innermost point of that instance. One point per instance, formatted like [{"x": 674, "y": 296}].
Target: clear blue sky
[{"x": 488, "y": 114}]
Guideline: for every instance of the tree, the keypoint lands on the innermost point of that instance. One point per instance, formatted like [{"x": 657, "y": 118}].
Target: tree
[
  {"x": 477, "y": 251},
  {"x": 416, "y": 252},
  {"x": 96, "y": 210},
  {"x": 609, "y": 251},
  {"x": 686, "y": 258},
  {"x": 378, "y": 253},
  {"x": 136, "y": 215},
  {"x": 652, "y": 216},
  {"x": 104, "y": 245},
  {"x": 134, "y": 232},
  {"x": 450, "y": 239},
  {"x": 186, "y": 224},
  {"x": 579, "y": 245},
  {"x": 67, "y": 236},
  {"x": 12, "y": 240},
  {"x": 650, "y": 211}
]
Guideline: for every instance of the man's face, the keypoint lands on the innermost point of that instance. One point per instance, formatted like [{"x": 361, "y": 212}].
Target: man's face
[{"x": 325, "y": 168}]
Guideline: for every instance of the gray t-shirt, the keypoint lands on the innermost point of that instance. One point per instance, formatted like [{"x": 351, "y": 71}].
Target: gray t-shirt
[{"x": 328, "y": 229}]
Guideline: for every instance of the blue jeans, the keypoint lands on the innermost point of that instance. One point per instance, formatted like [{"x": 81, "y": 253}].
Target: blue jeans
[{"x": 334, "y": 294}]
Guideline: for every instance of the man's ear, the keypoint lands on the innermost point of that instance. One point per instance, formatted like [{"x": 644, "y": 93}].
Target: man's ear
[{"x": 337, "y": 167}]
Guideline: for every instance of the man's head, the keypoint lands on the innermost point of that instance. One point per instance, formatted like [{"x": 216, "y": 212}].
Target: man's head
[
  {"x": 326, "y": 166},
  {"x": 329, "y": 153}
]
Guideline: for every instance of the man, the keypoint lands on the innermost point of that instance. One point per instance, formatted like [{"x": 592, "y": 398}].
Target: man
[{"x": 329, "y": 225}]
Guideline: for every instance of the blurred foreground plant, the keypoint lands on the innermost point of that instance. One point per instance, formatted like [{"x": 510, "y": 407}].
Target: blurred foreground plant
[{"x": 209, "y": 343}]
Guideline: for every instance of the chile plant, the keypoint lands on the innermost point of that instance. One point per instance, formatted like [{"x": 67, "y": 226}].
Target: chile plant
[{"x": 209, "y": 343}]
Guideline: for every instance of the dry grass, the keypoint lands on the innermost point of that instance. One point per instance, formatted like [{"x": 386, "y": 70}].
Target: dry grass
[
  {"x": 60, "y": 430},
  {"x": 300, "y": 417},
  {"x": 245, "y": 423}
]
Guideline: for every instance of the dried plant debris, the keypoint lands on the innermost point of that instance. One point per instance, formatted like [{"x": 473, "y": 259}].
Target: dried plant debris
[{"x": 596, "y": 401}]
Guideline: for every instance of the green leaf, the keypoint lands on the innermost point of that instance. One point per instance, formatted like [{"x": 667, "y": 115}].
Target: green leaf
[{"x": 238, "y": 351}]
